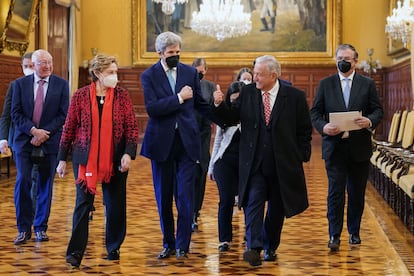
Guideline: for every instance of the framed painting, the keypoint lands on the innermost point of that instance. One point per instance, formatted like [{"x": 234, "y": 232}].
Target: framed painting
[
  {"x": 305, "y": 32},
  {"x": 396, "y": 48}
]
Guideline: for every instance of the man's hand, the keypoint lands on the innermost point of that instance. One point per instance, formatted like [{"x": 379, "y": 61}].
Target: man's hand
[
  {"x": 363, "y": 122},
  {"x": 331, "y": 129},
  {"x": 218, "y": 96},
  {"x": 39, "y": 136},
  {"x": 4, "y": 147},
  {"x": 186, "y": 93}
]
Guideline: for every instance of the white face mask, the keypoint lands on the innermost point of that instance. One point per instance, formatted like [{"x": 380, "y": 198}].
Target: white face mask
[
  {"x": 110, "y": 80},
  {"x": 28, "y": 71},
  {"x": 246, "y": 82}
]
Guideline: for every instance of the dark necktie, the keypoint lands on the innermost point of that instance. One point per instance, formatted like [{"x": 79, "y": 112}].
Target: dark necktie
[
  {"x": 38, "y": 106},
  {"x": 266, "y": 105}
]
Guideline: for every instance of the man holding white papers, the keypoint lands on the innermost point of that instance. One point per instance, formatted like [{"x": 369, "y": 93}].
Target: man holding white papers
[{"x": 346, "y": 153}]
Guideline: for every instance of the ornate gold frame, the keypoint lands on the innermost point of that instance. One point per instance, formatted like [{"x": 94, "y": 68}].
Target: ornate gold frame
[
  {"x": 15, "y": 23},
  {"x": 143, "y": 57}
]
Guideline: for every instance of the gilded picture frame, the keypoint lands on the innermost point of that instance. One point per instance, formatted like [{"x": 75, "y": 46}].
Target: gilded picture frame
[
  {"x": 17, "y": 23},
  {"x": 396, "y": 48},
  {"x": 229, "y": 51}
]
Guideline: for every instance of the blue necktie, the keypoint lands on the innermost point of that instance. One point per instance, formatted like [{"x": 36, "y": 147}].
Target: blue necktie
[
  {"x": 347, "y": 91},
  {"x": 171, "y": 79}
]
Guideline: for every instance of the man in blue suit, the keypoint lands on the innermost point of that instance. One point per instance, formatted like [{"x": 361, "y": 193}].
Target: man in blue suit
[
  {"x": 38, "y": 126},
  {"x": 172, "y": 139}
]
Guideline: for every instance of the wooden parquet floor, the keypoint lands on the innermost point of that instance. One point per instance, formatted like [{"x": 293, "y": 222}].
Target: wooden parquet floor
[{"x": 387, "y": 246}]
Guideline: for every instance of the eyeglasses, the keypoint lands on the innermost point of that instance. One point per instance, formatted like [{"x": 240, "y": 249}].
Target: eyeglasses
[{"x": 44, "y": 63}]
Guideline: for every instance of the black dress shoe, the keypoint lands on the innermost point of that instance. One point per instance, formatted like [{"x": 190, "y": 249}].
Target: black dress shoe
[
  {"x": 333, "y": 243},
  {"x": 22, "y": 237},
  {"x": 181, "y": 255},
  {"x": 354, "y": 239},
  {"x": 252, "y": 257},
  {"x": 166, "y": 253},
  {"x": 269, "y": 255},
  {"x": 73, "y": 260},
  {"x": 114, "y": 255},
  {"x": 224, "y": 246},
  {"x": 41, "y": 236}
]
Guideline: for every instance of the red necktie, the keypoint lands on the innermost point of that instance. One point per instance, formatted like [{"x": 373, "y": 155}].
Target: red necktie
[
  {"x": 38, "y": 105},
  {"x": 266, "y": 105}
]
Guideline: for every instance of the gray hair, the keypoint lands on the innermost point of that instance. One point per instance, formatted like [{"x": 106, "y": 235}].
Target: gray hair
[
  {"x": 40, "y": 53},
  {"x": 165, "y": 40},
  {"x": 272, "y": 64}
]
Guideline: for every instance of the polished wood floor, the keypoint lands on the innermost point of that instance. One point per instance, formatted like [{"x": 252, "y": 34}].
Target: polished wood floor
[{"x": 387, "y": 246}]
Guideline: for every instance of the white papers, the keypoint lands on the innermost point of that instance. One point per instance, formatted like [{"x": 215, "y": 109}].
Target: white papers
[{"x": 345, "y": 121}]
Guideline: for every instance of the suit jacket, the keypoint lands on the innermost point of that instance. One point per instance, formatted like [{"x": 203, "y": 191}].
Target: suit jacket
[
  {"x": 6, "y": 123},
  {"x": 55, "y": 108},
  {"x": 291, "y": 131},
  {"x": 165, "y": 112},
  {"x": 329, "y": 98}
]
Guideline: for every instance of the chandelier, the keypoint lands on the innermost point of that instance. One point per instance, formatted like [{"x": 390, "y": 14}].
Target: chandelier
[
  {"x": 400, "y": 23},
  {"x": 168, "y": 6},
  {"x": 221, "y": 19}
]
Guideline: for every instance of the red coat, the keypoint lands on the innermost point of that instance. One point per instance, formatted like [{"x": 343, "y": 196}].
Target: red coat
[{"x": 76, "y": 137}]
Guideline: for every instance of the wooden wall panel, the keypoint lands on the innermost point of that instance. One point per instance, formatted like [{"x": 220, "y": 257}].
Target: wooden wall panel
[
  {"x": 10, "y": 69},
  {"x": 305, "y": 78}
]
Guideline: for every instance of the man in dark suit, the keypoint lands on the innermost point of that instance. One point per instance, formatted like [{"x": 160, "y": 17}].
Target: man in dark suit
[
  {"x": 7, "y": 126},
  {"x": 172, "y": 139},
  {"x": 38, "y": 126},
  {"x": 346, "y": 153},
  {"x": 275, "y": 141},
  {"x": 207, "y": 90}
]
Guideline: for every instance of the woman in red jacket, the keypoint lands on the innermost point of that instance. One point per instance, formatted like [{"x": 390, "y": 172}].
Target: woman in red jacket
[{"x": 95, "y": 111}]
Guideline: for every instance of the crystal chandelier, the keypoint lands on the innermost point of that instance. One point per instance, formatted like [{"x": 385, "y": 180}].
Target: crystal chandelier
[
  {"x": 221, "y": 19},
  {"x": 400, "y": 23},
  {"x": 168, "y": 6}
]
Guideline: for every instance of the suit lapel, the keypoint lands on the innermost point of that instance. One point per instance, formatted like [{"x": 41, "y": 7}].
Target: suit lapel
[{"x": 163, "y": 79}]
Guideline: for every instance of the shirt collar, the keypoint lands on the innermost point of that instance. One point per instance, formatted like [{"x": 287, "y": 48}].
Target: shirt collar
[
  {"x": 166, "y": 68},
  {"x": 274, "y": 89},
  {"x": 350, "y": 77},
  {"x": 37, "y": 79}
]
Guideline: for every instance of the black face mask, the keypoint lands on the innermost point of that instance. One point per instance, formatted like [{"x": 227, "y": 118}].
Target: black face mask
[
  {"x": 200, "y": 75},
  {"x": 344, "y": 66},
  {"x": 172, "y": 61}
]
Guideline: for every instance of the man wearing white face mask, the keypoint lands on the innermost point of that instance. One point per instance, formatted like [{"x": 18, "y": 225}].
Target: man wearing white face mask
[
  {"x": 7, "y": 126},
  {"x": 100, "y": 108}
]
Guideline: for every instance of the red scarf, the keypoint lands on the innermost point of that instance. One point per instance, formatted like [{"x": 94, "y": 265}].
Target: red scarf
[{"x": 101, "y": 145}]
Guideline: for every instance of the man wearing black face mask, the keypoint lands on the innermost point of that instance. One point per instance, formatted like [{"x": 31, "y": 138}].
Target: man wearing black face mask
[
  {"x": 172, "y": 140},
  {"x": 207, "y": 89},
  {"x": 346, "y": 153}
]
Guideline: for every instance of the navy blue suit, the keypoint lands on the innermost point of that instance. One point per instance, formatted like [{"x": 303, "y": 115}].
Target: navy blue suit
[
  {"x": 172, "y": 142},
  {"x": 53, "y": 117}
]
